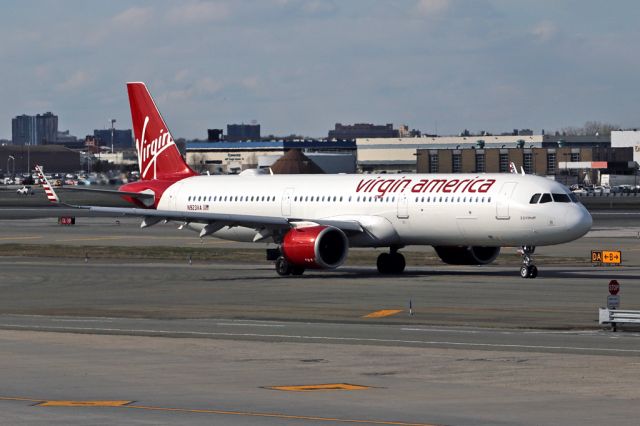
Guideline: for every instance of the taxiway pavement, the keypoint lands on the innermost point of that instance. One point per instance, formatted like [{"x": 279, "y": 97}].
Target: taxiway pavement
[{"x": 205, "y": 343}]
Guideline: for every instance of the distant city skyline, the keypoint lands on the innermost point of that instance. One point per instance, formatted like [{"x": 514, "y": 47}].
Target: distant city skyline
[{"x": 301, "y": 66}]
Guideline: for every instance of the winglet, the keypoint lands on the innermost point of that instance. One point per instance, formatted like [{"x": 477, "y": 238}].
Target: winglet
[
  {"x": 48, "y": 189},
  {"x": 512, "y": 168}
]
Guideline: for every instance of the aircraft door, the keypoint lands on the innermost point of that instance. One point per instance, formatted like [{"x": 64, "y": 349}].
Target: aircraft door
[
  {"x": 502, "y": 204},
  {"x": 403, "y": 206},
  {"x": 174, "y": 194},
  {"x": 286, "y": 201}
]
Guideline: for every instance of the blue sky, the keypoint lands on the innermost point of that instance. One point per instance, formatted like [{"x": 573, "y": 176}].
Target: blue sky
[{"x": 300, "y": 66}]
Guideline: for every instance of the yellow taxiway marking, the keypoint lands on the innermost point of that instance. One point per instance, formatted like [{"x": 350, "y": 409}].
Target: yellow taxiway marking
[
  {"x": 84, "y": 403},
  {"x": 223, "y": 412},
  {"x": 323, "y": 387},
  {"x": 383, "y": 313}
]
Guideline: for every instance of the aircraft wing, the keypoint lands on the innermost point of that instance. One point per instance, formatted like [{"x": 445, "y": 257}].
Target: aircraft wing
[
  {"x": 115, "y": 192},
  {"x": 151, "y": 217}
]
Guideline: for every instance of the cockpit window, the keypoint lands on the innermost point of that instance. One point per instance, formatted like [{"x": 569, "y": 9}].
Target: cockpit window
[
  {"x": 561, "y": 198},
  {"x": 534, "y": 199},
  {"x": 546, "y": 198},
  {"x": 574, "y": 198}
]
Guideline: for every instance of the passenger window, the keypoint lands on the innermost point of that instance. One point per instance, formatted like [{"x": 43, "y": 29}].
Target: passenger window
[
  {"x": 546, "y": 198},
  {"x": 561, "y": 198},
  {"x": 489, "y": 200}
]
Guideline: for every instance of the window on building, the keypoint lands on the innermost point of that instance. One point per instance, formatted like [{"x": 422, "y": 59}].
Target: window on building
[
  {"x": 528, "y": 162},
  {"x": 433, "y": 162},
  {"x": 456, "y": 163},
  {"x": 575, "y": 157},
  {"x": 551, "y": 162},
  {"x": 504, "y": 163},
  {"x": 480, "y": 164}
]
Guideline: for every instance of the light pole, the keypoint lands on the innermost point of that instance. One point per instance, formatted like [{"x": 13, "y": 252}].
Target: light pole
[
  {"x": 113, "y": 120},
  {"x": 12, "y": 158}
]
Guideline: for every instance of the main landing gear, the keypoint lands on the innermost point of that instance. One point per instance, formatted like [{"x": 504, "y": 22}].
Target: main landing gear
[
  {"x": 284, "y": 268},
  {"x": 528, "y": 269},
  {"x": 392, "y": 262}
]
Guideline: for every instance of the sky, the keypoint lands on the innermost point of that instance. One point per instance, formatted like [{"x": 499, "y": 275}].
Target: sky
[{"x": 300, "y": 66}]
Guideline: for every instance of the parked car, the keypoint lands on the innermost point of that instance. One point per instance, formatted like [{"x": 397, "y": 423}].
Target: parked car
[
  {"x": 25, "y": 190},
  {"x": 599, "y": 190},
  {"x": 619, "y": 189}
]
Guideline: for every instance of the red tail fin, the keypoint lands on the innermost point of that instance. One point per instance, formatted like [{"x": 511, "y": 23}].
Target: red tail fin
[{"x": 158, "y": 155}]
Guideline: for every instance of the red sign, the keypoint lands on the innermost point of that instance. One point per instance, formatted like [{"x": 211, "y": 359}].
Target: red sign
[{"x": 614, "y": 287}]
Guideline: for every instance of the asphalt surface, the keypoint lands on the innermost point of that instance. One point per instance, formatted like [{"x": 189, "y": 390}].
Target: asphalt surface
[{"x": 204, "y": 343}]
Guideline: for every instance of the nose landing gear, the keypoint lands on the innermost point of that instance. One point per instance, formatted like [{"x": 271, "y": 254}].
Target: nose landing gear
[{"x": 528, "y": 269}]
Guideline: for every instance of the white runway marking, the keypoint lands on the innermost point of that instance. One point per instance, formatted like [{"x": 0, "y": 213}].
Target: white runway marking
[
  {"x": 317, "y": 338},
  {"x": 249, "y": 325}
]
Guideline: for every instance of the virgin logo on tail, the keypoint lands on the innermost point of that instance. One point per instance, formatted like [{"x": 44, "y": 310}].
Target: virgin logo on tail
[
  {"x": 158, "y": 158},
  {"x": 148, "y": 152}
]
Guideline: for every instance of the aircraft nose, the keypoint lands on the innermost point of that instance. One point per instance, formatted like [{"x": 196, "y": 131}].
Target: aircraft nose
[{"x": 578, "y": 221}]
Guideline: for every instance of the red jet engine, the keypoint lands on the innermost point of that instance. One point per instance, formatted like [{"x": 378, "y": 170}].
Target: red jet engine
[{"x": 316, "y": 247}]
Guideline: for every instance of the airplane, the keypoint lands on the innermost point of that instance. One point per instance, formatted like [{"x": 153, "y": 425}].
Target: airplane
[{"x": 315, "y": 219}]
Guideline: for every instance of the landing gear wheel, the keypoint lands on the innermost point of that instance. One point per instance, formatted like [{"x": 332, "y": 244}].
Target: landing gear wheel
[
  {"x": 391, "y": 263},
  {"x": 384, "y": 263},
  {"x": 398, "y": 262},
  {"x": 533, "y": 271},
  {"x": 297, "y": 270},
  {"x": 528, "y": 269},
  {"x": 283, "y": 268}
]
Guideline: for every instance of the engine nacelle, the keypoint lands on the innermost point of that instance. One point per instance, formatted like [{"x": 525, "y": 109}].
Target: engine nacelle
[
  {"x": 317, "y": 247},
  {"x": 467, "y": 255}
]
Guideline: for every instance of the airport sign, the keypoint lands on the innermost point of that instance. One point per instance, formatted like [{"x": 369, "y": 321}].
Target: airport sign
[{"x": 610, "y": 257}]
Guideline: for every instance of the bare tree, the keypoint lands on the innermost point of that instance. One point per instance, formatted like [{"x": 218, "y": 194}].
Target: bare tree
[{"x": 590, "y": 128}]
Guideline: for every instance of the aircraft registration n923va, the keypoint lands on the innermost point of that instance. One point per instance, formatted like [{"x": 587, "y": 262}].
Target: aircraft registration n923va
[{"x": 315, "y": 219}]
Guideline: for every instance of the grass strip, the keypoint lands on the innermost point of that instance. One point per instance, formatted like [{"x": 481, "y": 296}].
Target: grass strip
[{"x": 235, "y": 255}]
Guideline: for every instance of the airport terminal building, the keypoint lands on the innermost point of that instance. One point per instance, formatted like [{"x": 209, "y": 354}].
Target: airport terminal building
[{"x": 393, "y": 155}]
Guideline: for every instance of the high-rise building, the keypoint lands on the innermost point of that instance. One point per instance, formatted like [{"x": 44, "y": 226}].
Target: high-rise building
[
  {"x": 121, "y": 138},
  {"x": 34, "y": 130},
  {"x": 243, "y": 132}
]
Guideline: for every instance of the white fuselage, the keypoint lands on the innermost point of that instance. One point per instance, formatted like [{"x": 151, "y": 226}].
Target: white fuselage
[{"x": 418, "y": 209}]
